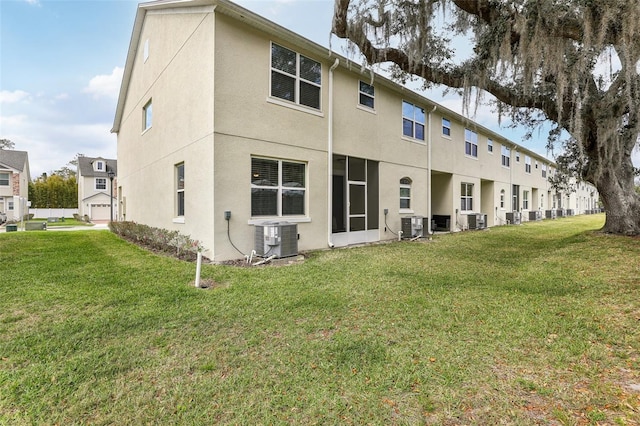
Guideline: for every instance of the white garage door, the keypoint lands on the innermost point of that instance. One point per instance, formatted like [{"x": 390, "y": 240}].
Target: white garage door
[{"x": 100, "y": 211}]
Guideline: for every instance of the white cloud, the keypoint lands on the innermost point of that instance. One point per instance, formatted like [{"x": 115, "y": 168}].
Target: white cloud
[
  {"x": 33, "y": 2},
  {"x": 107, "y": 86},
  {"x": 7, "y": 97},
  {"x": 61, "y": 96}
]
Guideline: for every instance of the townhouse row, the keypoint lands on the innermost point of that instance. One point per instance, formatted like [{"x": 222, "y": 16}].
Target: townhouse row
[{"x": 227, "y": 122}]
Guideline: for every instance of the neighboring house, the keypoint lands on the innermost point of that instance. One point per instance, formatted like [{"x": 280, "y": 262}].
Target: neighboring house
[
  {"x": 226, "y": 121},
  {"x": 14, "y": 183},
  {"x": 96, "y": 184}
]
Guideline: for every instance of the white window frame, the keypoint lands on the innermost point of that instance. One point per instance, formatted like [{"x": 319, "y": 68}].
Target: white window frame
[
  {"x": 281, "y": 188},
  {"x": 147, "y": 115},
  {"x": 99, "y": 180},
  {"x": 517, "y": 157},
  {"x": 7, "y": 180},
  {"x": 179, "y": 179},
  {"x": 10, "y": 205},
  {"x": 506, "y": 156},
  {"x": 405, "y": 183},
  {"x": 527, "y": 164},
  {"x": 525, "y": 200},
  {"x": 470, "y": 143},
  {"x": 366, "y": 95},
  {"x": 99, "y": 166},
  {"x": 446, "y": 127},
  {"x": 466, "y": 197},
  {"x": 414, "y": 119},
  {"x": 544, "y": 170},
  {"x": 490, "y": 146},
  {"x": 503, "y": 193},
  {"x": 298, "y": 80}
]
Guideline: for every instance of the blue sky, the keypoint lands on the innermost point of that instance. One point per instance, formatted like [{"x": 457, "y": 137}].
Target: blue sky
[{"x": 61, "y": 65}]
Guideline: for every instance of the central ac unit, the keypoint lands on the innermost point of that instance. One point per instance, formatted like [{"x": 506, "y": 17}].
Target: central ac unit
[
  {"x": 535, "y": 215},
  {"x": 477, "y": 220},
  {"x": 514, "y": 218},
  {"x": 412, "y": 226},
  {"x": 278, "y": 239},
  {"x": 550, "y": 214}
]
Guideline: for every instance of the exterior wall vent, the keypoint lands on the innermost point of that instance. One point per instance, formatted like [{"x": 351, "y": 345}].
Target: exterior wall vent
[{"x": 278, "y": 239}]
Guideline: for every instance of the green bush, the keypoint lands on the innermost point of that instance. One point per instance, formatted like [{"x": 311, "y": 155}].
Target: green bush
[{"x": 157, "y": 239}]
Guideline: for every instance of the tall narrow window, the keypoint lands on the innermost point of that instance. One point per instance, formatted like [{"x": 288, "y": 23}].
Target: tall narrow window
[
  {"x": 295, "y": 77},
  {"x": 525, "y": 200},
  {"x": 405, "y": 193},
  {"x": 179, "y": 189},
  {"x": 544, "y": 170},
  {"x": 506, "y": 156},
  {"x": 446, "y": 127},
  {"x": 515, "y": 205},
  {"x": 412, "y": 121},
  {"x": 147, "y": 115},
  {"x": 367, "y": 95},
  {"x": 470, "y": 143},
  {"x": 489, "y": 145},
  {"x": 527, "y": 164},
  {"x": 278, "y": 187},
  {"x": 466, "y": 196},
  {"x": 99, "y": 166},
  {"x": 502, "y": 194},
  {"x": 541, "y": 201}
]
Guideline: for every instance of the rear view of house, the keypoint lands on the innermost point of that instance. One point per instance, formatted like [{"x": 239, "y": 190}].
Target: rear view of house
[
  {"x": 14, "y": 184},
  {"x": 96, "y": 178},
  {"x": 237, "y": 131}
]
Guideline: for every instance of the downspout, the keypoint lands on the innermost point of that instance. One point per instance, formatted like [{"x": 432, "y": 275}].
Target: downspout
[
  {"x": 330, "y": 157},
  {"x": 429, "y": 172}
]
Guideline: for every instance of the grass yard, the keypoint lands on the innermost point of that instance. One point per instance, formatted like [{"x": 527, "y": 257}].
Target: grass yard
[{"x": 523, "y": 325}]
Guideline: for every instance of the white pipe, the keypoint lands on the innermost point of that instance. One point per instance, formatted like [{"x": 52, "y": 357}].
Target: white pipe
[
  {"x": 268, "y": 259},
  {"x": 429, "y": 231},
  {"x": 330, "y": 157},
  {"x": 198, "y": 268}
]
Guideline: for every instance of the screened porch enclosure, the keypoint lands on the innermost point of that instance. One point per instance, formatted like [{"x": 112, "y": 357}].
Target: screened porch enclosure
[{"x": 355, "y": 200}]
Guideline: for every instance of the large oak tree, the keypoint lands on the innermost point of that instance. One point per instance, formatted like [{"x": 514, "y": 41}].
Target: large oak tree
[{"x": 540, "y": 59}]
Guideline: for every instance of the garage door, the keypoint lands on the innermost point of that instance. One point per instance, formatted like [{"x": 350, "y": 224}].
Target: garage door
[{"x": 100, "y": 211}]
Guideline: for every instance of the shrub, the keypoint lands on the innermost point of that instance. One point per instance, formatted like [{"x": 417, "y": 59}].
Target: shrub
[{"x": 157, "y": 239}]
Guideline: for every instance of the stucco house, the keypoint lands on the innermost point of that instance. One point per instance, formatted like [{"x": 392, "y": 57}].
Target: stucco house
[
  {"x": 227, "y": 121},
  {"x": 14, "y": 183},
  {"x": 97, "y": 179}
]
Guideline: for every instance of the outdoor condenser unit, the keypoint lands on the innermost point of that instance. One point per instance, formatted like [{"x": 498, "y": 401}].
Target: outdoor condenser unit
[
  {"x": 535, "y": 215},
  {"x": 412, "y": 226},
  {"x": 278, "y": 239},
  {"x": 550, "y": 214},
  {"x": 514, "y": 218},
  {"x": 477, "y": 220}
]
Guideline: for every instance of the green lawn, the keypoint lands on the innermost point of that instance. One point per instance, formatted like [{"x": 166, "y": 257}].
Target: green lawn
[{"x": 532, "y": 324}]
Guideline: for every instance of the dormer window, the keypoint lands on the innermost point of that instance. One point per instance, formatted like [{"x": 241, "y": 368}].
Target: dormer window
[{"x": 99, "y": 166}]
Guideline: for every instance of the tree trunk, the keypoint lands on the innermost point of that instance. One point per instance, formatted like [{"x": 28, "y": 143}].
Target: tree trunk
[{"x": 615, "y": 183}]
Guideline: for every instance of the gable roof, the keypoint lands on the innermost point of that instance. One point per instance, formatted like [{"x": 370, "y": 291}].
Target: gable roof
[
  {"x": 85, "y": 167},
  {"x": 12, "y": 159}
]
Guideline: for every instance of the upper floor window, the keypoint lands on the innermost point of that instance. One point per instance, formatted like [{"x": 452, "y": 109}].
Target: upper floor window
[
  {"x": 412, "y": 121},
  {"x": 101, "y": 184},
  {"x": 506, "y": 156},
  {"x": 99, "y": 166},
  {"x": 145, "y": 54},
  {"x": 527, "y": 164},
  {"x": 278, "y": 187},
  {"x": 466, "y": 196},
  {"x": 4, "y": 179},
  {"x": 490, "y": 146},
  {"x": 517, "y": 157},
  {"x": 405, "y": 193},
  {"x": 147, "y": 115},
  {"x": 179, "y": 174},
  {"x": 295, "y": 77},
  {"x": 367, "y": 95},
  {"x": 544, "y": 170},
  {"x": 470, "y": 143},
  {"x": 446, "y": 127}
]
